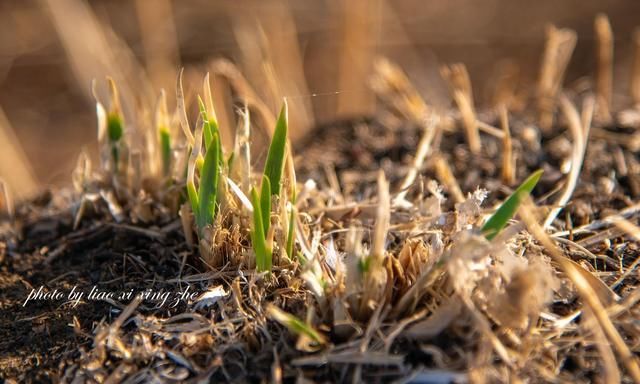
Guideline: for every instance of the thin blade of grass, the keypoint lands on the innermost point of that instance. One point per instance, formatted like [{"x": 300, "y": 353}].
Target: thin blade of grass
[
  {"x": 182, "y": 110},
  {"x": 275, "y": 159},
  {"x": 211, "y": 127},
  {"x": 505, "y": 212},
  {"x": 265, "y": 203},
  {"x": 295, "y": 325},
  {"x": 165, "y": 148},
  {"x": 257, "y": 235},
  {"x": 164, "y": 133},
  {"x": 291, "y": 231},
  {"x": 208, "y": 189},
  {"x": 206, "y": 129}
]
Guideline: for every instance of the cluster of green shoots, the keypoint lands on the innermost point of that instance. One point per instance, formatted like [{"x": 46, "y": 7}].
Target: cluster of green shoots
[
  {"x": 210, "y": 164},
  {"x": 209, "y": 168}
]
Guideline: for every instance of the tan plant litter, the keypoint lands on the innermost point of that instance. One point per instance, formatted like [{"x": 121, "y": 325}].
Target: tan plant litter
[{"x": 486, "y": 255}]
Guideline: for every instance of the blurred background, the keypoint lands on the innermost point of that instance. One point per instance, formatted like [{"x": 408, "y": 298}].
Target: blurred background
[{"x": 318, "y": 54}]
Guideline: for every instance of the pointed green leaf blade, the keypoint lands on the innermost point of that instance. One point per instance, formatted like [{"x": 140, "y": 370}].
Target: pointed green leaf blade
[
  {"x": 206, "y": 127},
  {"x": 115, "y": 127},
  {"x": 265, "y": 203},
  {"x": 505, "y": 212},
  {"x": 258, "y": 240},
  {"x": 165, "y": 149},
  {"x": 295, "y": 325},
  {"x": 274, "y": 166},
  {"x": 208, "y": 188},
  {"x": 291, "y": 232}
]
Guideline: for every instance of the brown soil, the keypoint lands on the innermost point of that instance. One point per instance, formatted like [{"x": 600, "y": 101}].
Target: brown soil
[{"x": 53, "y": 341}]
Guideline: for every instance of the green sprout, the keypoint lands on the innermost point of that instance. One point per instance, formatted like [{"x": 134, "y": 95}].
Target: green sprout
[
  {"x": 505, "y": 212},
  {"x": 261, "y": 245},
  {"x": 274, "y": 166},
  {"x": 291, "y": 231},
  {"x": 209, "y": 128},
  {"x": 265, "y": 203},
  {"x": 165, "y": 148},
  {"x": 164, "y": 134},
  {"x": 295, "y": 325},
  {"x": 261, "y": 237},
  {"x": 203, "y": 200},
  {"x": 115, "y": 124}
]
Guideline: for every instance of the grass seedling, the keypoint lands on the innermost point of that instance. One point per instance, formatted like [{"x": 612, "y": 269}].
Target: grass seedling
[
  {"x": 164, "y": 134},
  {"x": 265, "y": 203},
  {"x": 209, "y": 127},
  {"x": 203, "y": 200},
  {"x": 291, "y": 230},
  {"x": 262, "y": 246},
  {"x": 274, "y": 166},
  {"x": 115, "y": 124},
  {"x": 505, "y": 212},
  {"x": 261, "y": 236},
  {"x": 296, "y": 325}
]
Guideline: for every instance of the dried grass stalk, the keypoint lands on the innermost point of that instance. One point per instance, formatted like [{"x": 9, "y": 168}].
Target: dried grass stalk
[
  {"x": 604, "y": 66},
  {"x": 585, "y": 290},
  {"x": 6, "y": 204},
  {"x": 376, "y": 276},
  {"x": 445, "y": 176},
  {"x": 424, "y": 147},
  {"x": 460, "y": 86},
  {"x": 356, "y": 54},
  {"x": 577, "y": 157},
  {"x": 160, "y": 45},
  {"x": 557, "y": 53},
  {"x": 508, "y": 163},
  {"x": 15, "y": 167},
  {"x": 504, "y": 92},
  {"x": 392, "y": 85},
  {"x": 635, "y": 69}
]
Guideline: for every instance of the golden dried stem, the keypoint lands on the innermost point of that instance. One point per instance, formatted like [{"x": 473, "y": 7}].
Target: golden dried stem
[
  {"x": 585, "y": 290},
  {"x": 577, "y": 157},
  {"x": 557, "y": 53},
  {"x": 504, "y": 93},
  {"x": 6, "y": 204},
  {"x": 15, "y": 167},
  {"x": 445, "y": 176},
  {"x": 187, "y": 224},
  {"x": 393, "y": 86},
  {"x": 424, "y": 146},
  {"x": 460, "y": 85},
  {"x": 182, "y": 110},
  {"x": 610, "y": 371},
  {"x": 508, "y": 168},
  {"x": 635, "y": 69},
  {"x": 383, "y": 219},
  {"x": 356, "y": 54},
  {"x": 604, "y": 65},
  {"x": 135, "y": 178},
  {"x": 159, "y": 40}
]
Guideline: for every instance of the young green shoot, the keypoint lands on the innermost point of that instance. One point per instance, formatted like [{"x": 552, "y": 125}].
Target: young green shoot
[
  {"x": 164, "y": 134},
  {"x": 203, "y": 199},
  {"x": 209, "y": 179},
  {"x": 295, "y": 325},
  {"x": 261, "y": 246},
  {"x": 274, "y": 166},
  {"x": 115, "y": 124},
  {"x": 265, "y": 203},
  {"x": 291, "y": 231},
  {"x": 210, "y": 125},
  {"x": 509, "y": 207}
]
